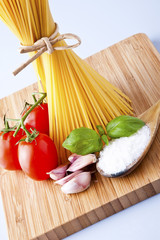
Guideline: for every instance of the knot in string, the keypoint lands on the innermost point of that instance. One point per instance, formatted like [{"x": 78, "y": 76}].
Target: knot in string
[
  {"x": 49, "y": 46},
  {"x": 46, "y": 44}
]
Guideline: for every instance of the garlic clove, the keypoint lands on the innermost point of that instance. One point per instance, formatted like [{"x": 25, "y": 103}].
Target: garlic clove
[
  {"x": 82, "y": 162},
  {"x": 73, "y": 157},
  {"x": 64, "y": 180},
  {"x": 77, "y": 184},
  {"x": 59, "y": 172}
]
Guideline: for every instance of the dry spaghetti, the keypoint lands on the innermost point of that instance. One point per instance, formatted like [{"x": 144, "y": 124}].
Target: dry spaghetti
[{"x": 77, "y": 94}]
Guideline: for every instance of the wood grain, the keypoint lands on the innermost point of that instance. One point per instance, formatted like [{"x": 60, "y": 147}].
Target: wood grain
[{"x": 39, "y": 210}]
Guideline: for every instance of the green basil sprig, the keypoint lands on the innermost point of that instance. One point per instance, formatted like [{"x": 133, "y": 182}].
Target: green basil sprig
[
  {"x": 123, "y": 126},
  {"x": 83, "y": 141}
]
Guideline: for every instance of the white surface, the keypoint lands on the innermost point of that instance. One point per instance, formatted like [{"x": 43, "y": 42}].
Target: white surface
[{"x": 99, "y": 24}]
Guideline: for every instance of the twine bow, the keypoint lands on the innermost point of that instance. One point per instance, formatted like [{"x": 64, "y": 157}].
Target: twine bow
[{"x": 45, "y": 44}]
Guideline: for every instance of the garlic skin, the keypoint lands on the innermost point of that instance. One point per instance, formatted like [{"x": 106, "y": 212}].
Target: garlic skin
[
  {"x": 67, "y": 178},
  {"x": 73, "y": 157},
  {"x": 82, "y": 162},
  {"x": 77, "y": 184},
  {"x": 59, "y": 172}
]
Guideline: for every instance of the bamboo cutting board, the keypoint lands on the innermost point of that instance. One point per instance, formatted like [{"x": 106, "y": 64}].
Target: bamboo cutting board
[{"x": 39, "y": 210}]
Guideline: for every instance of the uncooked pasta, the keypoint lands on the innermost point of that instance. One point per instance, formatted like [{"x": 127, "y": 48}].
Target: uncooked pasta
[{"x": 77, "y": 95}]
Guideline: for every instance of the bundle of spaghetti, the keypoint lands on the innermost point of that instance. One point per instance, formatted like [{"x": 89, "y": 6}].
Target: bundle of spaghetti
[{"x": 77, "y": 95}]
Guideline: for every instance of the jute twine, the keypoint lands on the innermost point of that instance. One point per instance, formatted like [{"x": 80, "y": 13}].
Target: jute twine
[{"x": 46, "y": 44}]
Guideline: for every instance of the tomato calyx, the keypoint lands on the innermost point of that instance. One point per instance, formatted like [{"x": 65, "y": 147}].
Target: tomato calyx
[{"x": 30, "y": 137}]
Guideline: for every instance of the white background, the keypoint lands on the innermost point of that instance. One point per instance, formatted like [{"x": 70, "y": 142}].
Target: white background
[{"x": 100, "y": 24}]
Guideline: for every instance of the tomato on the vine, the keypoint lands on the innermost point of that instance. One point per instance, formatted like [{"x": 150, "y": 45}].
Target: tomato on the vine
[
  {"x": 38, "y": 157},
  {"x": 38, "y": 118},
  {"x": 9, "y": 150}
]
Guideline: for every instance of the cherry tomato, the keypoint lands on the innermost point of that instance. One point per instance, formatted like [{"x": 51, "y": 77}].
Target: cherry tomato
[
  {"x": 38, "y": 119},
  {"x": 38, "y": 157},
  {"x": 9, "y": 150}
]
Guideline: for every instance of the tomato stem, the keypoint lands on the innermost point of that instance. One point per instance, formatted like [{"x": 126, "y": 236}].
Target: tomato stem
[
  {"x": 6, "y": 124},
  {"x": 25, "y": 107},
  {"x": 35, "y": 105},
  {"x": 18, "y": 128},
  {"x": 24, "y": 128},
  {"x": 12, "y": 119},
  {"x": 34, "y": 98},
  {"x": 21, "y": 121},
  {"x": 7, "y": 127}
]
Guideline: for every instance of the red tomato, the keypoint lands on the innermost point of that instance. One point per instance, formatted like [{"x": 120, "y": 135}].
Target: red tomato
[
  {"x": 38, "y": 157},
  {"x": 38, "y": 118},
  {"x": 9, "y": 150}
]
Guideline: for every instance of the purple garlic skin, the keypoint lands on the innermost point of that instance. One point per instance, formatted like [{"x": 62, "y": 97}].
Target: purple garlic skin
[
  {"x": 67, "y": 178},
  {"x": 82, "y": 162},
  {"x": 59, "y": 172},
  {"x": 73, "y": 157},
  {"x": 77, "y": 184}
]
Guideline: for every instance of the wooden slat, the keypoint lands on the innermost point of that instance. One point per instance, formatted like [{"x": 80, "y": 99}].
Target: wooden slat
[{"x": 39, "y": 210}]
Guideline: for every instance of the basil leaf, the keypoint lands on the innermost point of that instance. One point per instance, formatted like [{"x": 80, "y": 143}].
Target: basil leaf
[
  {"x": 105, "y": 139},
  {"x": 83, "y": 141},
  {"x": 123, "y": 126},
  {"x": 100, "y": 130}
]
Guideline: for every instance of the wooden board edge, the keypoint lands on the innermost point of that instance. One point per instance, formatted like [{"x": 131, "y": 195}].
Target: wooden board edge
[
  {"x": 102, "y": 212},
  {"x": 136, "y": 35}
]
